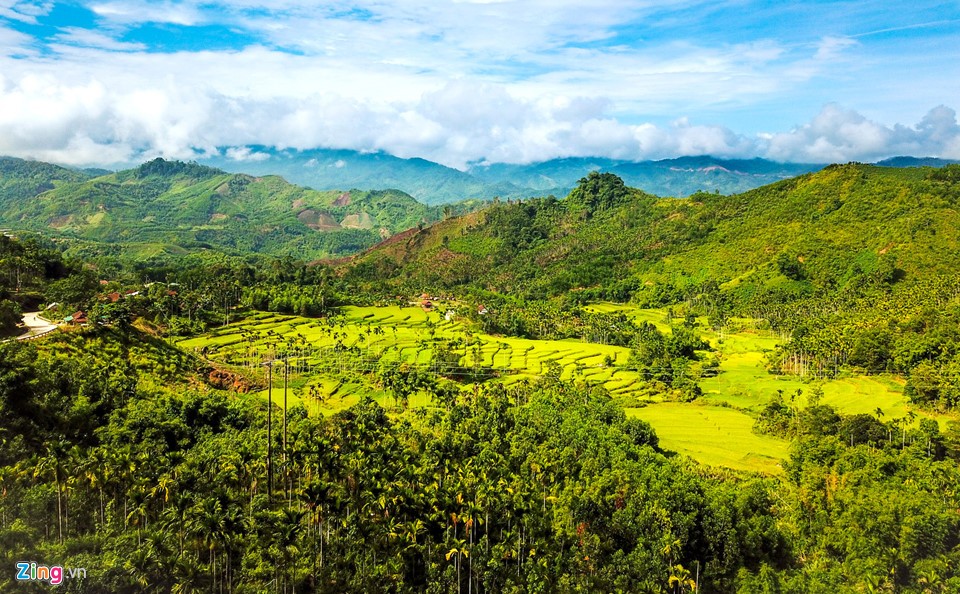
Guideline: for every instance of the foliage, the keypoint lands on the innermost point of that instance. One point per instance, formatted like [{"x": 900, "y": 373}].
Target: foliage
[
  {"x": 597, "y": 192},
  {"x": 541, "y": 487},
  {"x": 856, "y": 264},
  {"x": 186, "y": 206},
  {"x": 9, "y": 317}
]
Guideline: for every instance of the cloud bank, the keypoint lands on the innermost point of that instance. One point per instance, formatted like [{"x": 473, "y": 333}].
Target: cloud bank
[
  {"x": 85, "y": 124},
  {"x": 112, "y": 83}
]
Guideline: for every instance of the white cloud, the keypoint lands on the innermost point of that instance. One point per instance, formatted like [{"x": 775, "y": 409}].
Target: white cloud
[
  {"x": 94, "y": 39},
  {"x": 137, "y": 12},
  {"x": 837, "y": 135},
  {"x": 831, "y": 48},
  {"x": 462, "y": 122},
  {"x": 14, "y": 43},
  {"x": 455, "y": 82},
  {"x": 24, "y": 11},
  {"x": 245, "y": 153}
]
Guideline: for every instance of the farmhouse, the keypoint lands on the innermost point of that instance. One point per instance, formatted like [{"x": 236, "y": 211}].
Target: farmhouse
[{"x": 78, "y": 318}]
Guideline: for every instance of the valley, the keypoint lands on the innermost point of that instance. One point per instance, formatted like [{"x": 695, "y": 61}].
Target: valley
[
  {"x": 335, "y": 363},
  {"x": 594, "y": 393}
]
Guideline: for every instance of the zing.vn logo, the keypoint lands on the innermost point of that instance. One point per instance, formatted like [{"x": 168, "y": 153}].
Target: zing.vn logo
[{"x": 31, "y": 572}]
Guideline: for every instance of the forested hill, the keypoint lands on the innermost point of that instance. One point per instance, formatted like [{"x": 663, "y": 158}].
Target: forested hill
[
  {"x": 21, "y": 180},
  {"x": 818, "y": 232},
  {"x": 170, "y": 205},
  {"x": 856, "y": 265}
]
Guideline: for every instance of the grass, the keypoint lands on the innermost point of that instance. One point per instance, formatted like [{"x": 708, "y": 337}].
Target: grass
[{"x": 744, "y": 382}]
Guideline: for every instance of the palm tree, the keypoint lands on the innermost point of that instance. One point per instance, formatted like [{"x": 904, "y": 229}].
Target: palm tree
[
  {"x": 459, "y": 551},
  {"x": 910, "y": 418},
  {"x": 931, "y": 581},
  {"x": 680, "y": 580},
  {"x": 51, "y": 463}
]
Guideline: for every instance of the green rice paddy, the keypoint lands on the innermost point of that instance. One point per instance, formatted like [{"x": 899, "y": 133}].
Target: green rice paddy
[
  {"x": 714, "y": 435},
  {"x": 330, "y": 360}
]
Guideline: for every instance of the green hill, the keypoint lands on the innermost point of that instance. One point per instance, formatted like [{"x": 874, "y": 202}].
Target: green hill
[
  {"x": 856, "y": 265},
  {"x": 822, "y": 231},
  {"x": 21, "y": 179},
  {"x": 174, "y": 204}
]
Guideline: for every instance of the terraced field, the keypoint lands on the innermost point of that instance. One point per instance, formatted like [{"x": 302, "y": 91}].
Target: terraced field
[
  {"x": 363, "y": 335},
  {"x": 329, "y": 360}
]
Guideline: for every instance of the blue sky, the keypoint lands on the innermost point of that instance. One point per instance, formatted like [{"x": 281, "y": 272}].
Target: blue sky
[{"x": 106, "y": 81}]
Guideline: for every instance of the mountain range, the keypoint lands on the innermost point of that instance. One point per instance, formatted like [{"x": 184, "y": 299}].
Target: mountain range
[
  {"x": 310, "y": 212},
  {"x": 433, "y": 183},
  {"x": 171, "y": 206}
]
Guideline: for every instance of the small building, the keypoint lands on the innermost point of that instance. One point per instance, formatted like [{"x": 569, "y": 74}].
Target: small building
[
  {"x": 482, "y": 310},
  {"x": 114, "y": 297},
  {"x": 78, "y": 318}
]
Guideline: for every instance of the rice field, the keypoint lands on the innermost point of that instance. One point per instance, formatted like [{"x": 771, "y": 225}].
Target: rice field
[
  {"x": 330, "y": 360},
  {"x": 714, "y": 436},
  {"x": 361, "y": 338}
]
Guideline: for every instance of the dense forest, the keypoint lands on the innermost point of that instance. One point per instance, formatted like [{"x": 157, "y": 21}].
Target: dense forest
[
  {"x": 159, "y": 485},
  {"x": 121, "y": 454}
]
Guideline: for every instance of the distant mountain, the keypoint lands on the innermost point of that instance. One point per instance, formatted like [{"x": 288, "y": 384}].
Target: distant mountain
[
  {"x": 669, "y": 177},
  {"x": 433, "y": 183},
  {"x": 327, "y": 169},
  {"x": 916, "y": 162},
  {"x": 686, "y": 175},
  {"x": 170, "y": 205},
  {"x": 556, "y": 176}
]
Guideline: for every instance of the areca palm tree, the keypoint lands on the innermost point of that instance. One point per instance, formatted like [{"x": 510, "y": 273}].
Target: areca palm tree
[
  {"x": 680, "y": 580},
  {"x": 50, "y": 463},
  {"x": 457, "y": 553}
]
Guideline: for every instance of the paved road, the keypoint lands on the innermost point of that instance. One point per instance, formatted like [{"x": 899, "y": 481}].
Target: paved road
[{"x": 36, "y": 326}]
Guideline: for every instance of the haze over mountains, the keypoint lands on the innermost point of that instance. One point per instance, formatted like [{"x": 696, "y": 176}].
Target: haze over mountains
[{"x": 433, "y": 183}]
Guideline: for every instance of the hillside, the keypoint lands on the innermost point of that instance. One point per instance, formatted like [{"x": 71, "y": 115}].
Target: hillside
[
  {"x": 21, "y": 179},
  {"x": 831, "y": 223},
  {"x": 856, "y": 264},
  {"x": 613, "y": 448},
  {"x": 190, "y": 206}
]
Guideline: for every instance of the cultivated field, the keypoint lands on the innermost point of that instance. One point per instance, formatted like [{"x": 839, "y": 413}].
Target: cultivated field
[{"x": 330, "y": 361}]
